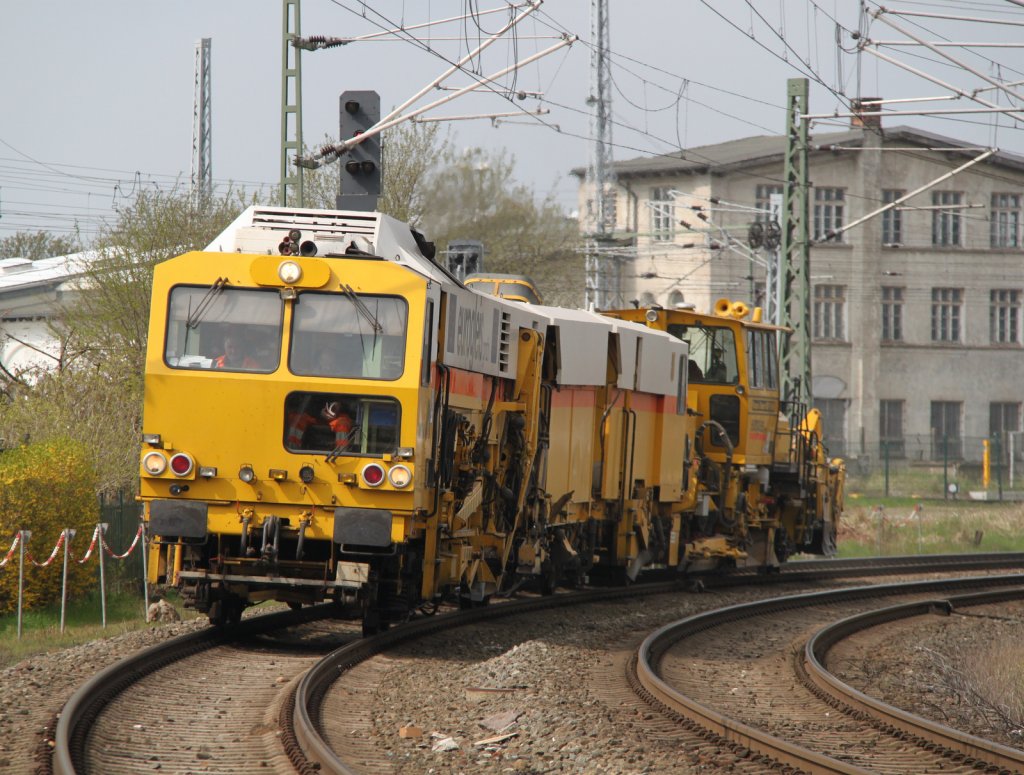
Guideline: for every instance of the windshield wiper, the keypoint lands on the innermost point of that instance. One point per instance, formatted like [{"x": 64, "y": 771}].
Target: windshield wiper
[
  {"x": 342, "y": 445},
  {"x": 196, "y": 316},
  {"x": 362, "y": 308}
]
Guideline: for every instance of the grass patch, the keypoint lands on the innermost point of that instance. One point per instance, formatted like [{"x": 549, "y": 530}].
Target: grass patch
[
  {"x": 988, "y": 680},
  {"x": 83, "y": 623},
  {"x": 895, "y": 526}
]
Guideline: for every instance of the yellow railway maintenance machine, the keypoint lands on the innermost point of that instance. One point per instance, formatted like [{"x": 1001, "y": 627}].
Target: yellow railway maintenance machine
[
  {"x": 329, "y": 414},
  {"x": 766, "y": 486}
]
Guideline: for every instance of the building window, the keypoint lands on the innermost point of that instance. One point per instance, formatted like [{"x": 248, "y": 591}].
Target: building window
[
  {"x": 946, "y": 442},
  {"x": 662, "y": 221},
  {"x": 828, "y": 213},
  {"x": 1004, "y": 316},
  {"x": 1005, "y": 231},
  {"x": 947, "y": 218},
  {"x": 829, "y": 312},
  {"x": 947, "y": 309},
  {"x": 1003, "y": 418},
  {"x": 833, "y": 418},
  {"x": 763, "y": 202},
  {"x": 892, "y": 314},
  {"x": 890, "y": 428},
  {"x": 892, "y": 219}
]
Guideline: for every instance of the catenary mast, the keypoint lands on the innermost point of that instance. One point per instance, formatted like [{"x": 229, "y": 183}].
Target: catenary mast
[{"x": 600, "y": 218}]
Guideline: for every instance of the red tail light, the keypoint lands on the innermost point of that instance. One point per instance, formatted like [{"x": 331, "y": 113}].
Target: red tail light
[
  {"x": 373, "y": 474},
  {"x": 182, "y": 464}
]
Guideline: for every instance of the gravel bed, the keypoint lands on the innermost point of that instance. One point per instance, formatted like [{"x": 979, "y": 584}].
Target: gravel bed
[
  {"x": 538, "y": 691},
  {"x": 36, "y": 688},
  {"x": 543, "y": 682}
]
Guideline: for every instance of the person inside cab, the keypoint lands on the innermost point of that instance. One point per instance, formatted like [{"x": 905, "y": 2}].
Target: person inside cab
[
  {"x": 235, "y": 355},
  {"x": 339, "y": 421},
  {"x": 717, "y": 371}
]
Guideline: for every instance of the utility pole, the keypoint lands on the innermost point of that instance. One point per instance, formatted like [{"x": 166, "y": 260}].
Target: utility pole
[
  {"x": 600, "y": 173},
  {"x": 202, "y": 118},
  {"x": 795, "y": 251},
  {"x": 291, "y": 106}
]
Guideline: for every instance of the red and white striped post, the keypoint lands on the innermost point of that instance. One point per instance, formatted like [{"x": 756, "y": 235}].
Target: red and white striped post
[
  {"x": 101, "y": 528},
  {"x": 145, "y": 574},
  {"x": 68, "y": 534}
]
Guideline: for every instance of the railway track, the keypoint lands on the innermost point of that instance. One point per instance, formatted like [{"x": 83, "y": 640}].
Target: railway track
[
  {"x": 711, "y": 672},
  {"x": 120, "y": 721},
  {"x": 306, "y": 741}
]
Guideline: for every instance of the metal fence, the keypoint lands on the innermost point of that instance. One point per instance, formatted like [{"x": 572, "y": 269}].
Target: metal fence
[
  {"x": 937, "y": 467},
  {"x": 122, "y": 514}
]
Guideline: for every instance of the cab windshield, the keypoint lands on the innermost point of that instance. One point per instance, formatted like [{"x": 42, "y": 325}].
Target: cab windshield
[
  {"x": 712, "y": 353},
  {"x": 217, "y": 327},
  {"x": 351, "y": 336}
]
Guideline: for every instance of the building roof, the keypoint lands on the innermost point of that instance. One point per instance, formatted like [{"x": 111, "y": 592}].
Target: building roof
[
  {"x": 763, "y": 149},
  {"x": 18, "y": 273}
]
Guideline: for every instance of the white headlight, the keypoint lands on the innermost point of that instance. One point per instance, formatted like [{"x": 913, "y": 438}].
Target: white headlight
[
  {"x": 154, "y": 463},
  {"x": 289, "y": 272},
  {"x": 399, "y": 476}
]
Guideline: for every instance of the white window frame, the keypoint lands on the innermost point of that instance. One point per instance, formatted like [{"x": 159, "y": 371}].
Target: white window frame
[
  {"x": 662, "y": 214},
  {"x": 947, "y": 314},
  {"x": 830, "y": 312},
  {"x": 829, "y": 210},
  {"x": 1004, "y": 316}
]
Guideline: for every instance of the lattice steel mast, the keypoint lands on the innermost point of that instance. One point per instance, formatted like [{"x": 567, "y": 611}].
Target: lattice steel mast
[
  {"x": 600, "y": 172},
  {"x": 795, "y": 251},
  {"x": 202, "y": 116},
  {"x": 291, "y": 106}
]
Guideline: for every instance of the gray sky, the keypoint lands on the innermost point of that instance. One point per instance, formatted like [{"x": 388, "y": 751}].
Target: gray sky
[{"x": 98, "y": 96}]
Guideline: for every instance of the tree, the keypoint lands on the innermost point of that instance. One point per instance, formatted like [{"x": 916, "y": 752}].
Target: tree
[
  {"x": 93, "y": 392},
  {"x": 410, "y": 153},
  {"x": 110, "y": 316},
  {"x": 474, "y": 195},
  {"x": 47, "y": 487},
  {"x": 38, "y": 244}
]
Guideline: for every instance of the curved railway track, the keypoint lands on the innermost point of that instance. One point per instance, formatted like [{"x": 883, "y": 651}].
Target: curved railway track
[
  {"x": 749, "y": 704},
  {"x": 88, "y": 739},
  {"x": 300, "y": 710}
]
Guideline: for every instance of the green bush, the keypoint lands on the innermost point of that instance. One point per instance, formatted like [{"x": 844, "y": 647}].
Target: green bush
[{"x": 46, "y": 487}]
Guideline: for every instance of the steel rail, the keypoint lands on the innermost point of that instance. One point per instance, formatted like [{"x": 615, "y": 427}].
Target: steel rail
[
  {"x": 71, "y": 726},
  {"x": 660, "y": 694},
  {"x": 91, "y": 697},
  {"x": 926, "y": 731},
  {"x": 310, "y": 752}
]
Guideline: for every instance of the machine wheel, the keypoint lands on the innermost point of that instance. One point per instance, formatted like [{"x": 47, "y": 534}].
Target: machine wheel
[
  {"x": 216, "y": 614},
  {"x": 550, "y": 577},
  {"x": 371, "y": 624},
  {"x": 233, "y": 606}
]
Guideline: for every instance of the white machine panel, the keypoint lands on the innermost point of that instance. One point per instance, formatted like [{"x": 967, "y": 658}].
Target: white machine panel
[
  {"x": 474, "y": 338},
  {"x": 582, "y": 345},
  {"x": 661, "y": 357}
]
